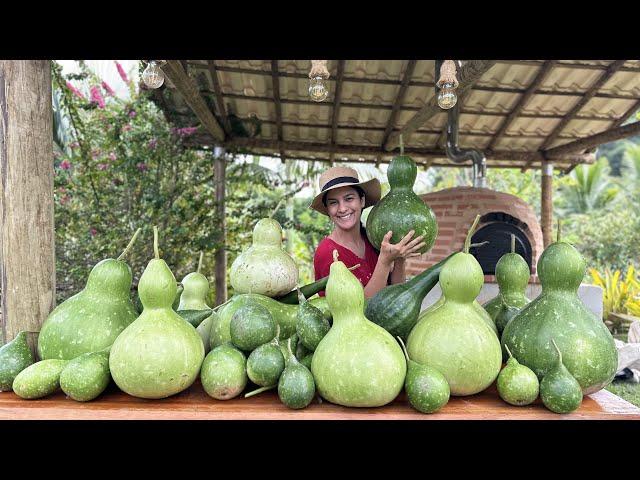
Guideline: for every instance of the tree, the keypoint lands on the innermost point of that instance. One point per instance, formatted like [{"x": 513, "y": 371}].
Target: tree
[{"x": 588, "y": 188}]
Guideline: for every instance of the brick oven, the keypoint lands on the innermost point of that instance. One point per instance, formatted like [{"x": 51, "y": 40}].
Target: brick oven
[{"x": 501, "y": 214}]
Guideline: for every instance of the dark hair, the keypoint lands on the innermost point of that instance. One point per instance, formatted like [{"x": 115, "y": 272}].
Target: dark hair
[{"x": 355, "y": 187}]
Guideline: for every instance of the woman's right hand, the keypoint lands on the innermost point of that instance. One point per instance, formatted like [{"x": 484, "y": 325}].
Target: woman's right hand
[{"x": 405, "y": 248}]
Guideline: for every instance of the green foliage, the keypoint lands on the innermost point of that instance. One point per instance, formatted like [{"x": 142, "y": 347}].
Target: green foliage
[{"x": 588, "y": 188}]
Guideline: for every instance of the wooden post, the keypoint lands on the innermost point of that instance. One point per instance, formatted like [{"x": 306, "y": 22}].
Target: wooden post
[
  {"x": 546, "y": 204},
  {"x": 27, "y": 253},
  {"x": 221, "y": 252}
]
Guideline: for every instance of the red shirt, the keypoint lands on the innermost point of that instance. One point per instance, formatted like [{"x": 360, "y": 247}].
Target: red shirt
[{"x": 323, "y": 259}]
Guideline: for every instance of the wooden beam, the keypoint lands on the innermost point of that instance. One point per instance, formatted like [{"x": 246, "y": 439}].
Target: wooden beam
[
  {"x": 27, "y": 236},
  {"x": 544, "y": 71},
  {"x": 220, "y": 166},
  {"x": 191, "y": 94},
  {"x": 402, "y": 92},
  {"x": 546, "y": 205},
  {"x": 222, "y": 111},
  {"x": 469, "y": 74},
  {"x": 588, "y": 95},
  {"x": 582, "y": 144},
  {"x": 336, "y": 104},
  {"x": 275, "y": 85}
]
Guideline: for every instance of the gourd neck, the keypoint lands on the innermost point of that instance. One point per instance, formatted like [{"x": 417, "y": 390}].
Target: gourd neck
[
  {"x": 424, "y": 282},
  {"x": 511, "y": 296}
]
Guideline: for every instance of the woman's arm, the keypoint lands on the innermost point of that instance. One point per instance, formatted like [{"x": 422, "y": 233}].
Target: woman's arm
[
  {"x": 379, "y": 278},
  {"x": 398, "y": 273}
]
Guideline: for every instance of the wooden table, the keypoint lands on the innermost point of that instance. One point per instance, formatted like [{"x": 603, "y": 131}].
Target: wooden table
[{"x": 195, "y": 404}]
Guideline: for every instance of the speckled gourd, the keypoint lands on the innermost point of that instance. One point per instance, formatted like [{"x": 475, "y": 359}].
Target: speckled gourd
[
  {"x": 264, "y": 268},
  {"x": 15, "y": 356},
  {"x": 560, "y": 392},
  {"x": 589, "y": 351},
  {"x": 512, "y": 275},
  {"x": 224, "y": 373},
  {"x": 159, "y": 354},
  {"x": 357, "y": 363},
  {"x": 454, "y": 338},
  {"x": 87, "y": 376},
  {"x": 91, "y": 319},
  {"x": 401, "y": 210}
]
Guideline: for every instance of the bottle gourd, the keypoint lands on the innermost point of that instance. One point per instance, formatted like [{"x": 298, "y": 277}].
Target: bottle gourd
[
  {"x": 195, "y": 290},
  {"x": 159, "y": 354}
]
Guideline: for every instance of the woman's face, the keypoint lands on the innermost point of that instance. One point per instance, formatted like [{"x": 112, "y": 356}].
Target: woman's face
[{"x": 345, "y": 207}]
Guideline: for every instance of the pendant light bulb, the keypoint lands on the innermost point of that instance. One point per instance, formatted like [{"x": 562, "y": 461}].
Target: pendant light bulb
[{"x": 152, "y": 75}]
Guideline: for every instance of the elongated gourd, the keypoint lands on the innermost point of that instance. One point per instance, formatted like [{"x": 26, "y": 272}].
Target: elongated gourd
[
  {"x": 264, "y": 268},
  {"x": 91, "y": 319},
  {"x": 39, "y": 379},
  {"x": 159, "y": 354},
  {"x": 401, "y": 210},
  {"x": 195, "y": 290},
  {"x": 454, "y": 339},
  {"x": 357, "y": 363},
  {"x": 589, "y": 352},
  {"x": 512, "y": 275}
]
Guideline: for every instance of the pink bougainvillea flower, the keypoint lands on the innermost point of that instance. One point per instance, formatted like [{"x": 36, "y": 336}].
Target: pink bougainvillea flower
[
  {"x": 75, "y": 91},
  {"x": 126, "y": 128},
  {"x": 93, "y": 232},
  {"x": 142, "y": 166},
  {"x": 74, "y": 145},
  {"x": 96, "y": 96},
  {"x": 153, "y": 143},
  {"x": 102, "y": 166},
  {"x": 65, "y": 165},
  {"x": 64, "y": 199},
  {"x": 112, "y": 156},
  {"x": 123, "y": 75},
  {"x": 132, "y": 113},
  {"x": 186, "y": 131},
  {"x": 108, "y": 89}
]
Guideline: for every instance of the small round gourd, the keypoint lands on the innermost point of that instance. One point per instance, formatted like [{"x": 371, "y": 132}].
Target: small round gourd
[
  {"x": 559, "y": 390},
  {"x": 223, "y": 374},
  {"x": 517, "y": 384}
]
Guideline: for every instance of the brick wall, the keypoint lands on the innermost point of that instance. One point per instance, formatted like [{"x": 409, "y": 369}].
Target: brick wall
[{"x": 456, "y": 208}]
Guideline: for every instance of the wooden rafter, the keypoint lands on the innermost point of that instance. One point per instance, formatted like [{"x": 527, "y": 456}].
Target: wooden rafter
[
  {"x": 278, "y": 104},
  {"x": 627, "y": 114},
  {"x": 544, "y": 71},
  {"x": 222, "y": 111},
  {"x": 189, "y": 90},
  {"x": 337, "y": 98},
  {"x": 402, "y": 92},
  {"x": 582, "y": 144},
  {"x": 469, "y": 74}
]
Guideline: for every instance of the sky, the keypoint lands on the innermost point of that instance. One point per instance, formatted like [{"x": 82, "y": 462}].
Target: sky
[{"x": 106, "y": 69}]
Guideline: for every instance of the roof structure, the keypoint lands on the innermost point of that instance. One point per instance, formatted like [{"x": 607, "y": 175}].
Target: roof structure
[{"x": 520, "y": 113}]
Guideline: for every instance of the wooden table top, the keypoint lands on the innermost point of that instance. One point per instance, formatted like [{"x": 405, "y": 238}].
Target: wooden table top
[{"x": 195, "y": 404}]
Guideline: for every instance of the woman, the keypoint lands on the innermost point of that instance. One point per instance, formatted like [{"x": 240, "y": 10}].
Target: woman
[{"x": 342, "y": 198}]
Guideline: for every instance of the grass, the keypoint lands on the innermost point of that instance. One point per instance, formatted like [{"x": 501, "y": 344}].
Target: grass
[{"x": 629, "y": 391}]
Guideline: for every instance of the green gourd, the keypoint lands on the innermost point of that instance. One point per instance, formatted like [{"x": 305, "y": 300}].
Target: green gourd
[
  {"x": 159, "y": 354},
  {"x": 559, "y": 390},
  {"x": 176, "y": 301},
  {"x": 401, "y": 210},
  {"x": 285, "y": 315},
  {"x": 396, "y": 308},
  {"x": 296, "y": 386},
  {"x": 195, "y": 317},
  {"x": 195, "y": 290},
  {"x": 357, "y": 363},
  {"x": 266, "y": 363},
  {"x": 517, "y": 384},
  {"x": 223, "y": 374},
  {"x": 306, "y": 360},
  {"x": 204, "y": 330},
  {"x": 91, "y": 319},
  {"x": 427, "y": 389},
  {"x": 15, "y": 356},
  {"x": 454, "y": 338},
  {"x": 590, "y": 353},
  {"x": 87, "y": 376},
  {"x": 512, "y": 275},
  {"x": 264, "y": 268},
  {"x": 39, "y": 379},
  {"x": 311, "y": 326},
  {"x": 251, "y": 326}
]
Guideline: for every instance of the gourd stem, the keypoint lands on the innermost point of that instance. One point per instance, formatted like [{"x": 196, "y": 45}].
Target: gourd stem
[
  {"x": 513, "y": 243},
  {"x": 277, "y": 333},
  {"x": 200, "y": 261},
  {"x": 222, "y": 304},
  {"x": 155, "y": 242},
  {"x": 354, "y": 267},
  {"x": 401, "y": 145},
  {"x": 481, "y": 244},
  {"x": 301, "y": 298},
  {"x": 335, "y": 255},
  {"x": 289, "y": 347},
  {"x": 508, "y": 351},
  {"x": 558, "y": 350},
  {"x": 467, "y": 241},
  {"x": 559, "y": 230},
  {"x": 130, "y": 244},
  {"x": 404, "y": 349},
  {"x": 259, "y": 390},
  {"x": 277, "y": 207}
]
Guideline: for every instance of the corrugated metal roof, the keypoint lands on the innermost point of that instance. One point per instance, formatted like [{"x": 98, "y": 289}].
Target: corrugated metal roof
[{"x": 370, "y": 89}]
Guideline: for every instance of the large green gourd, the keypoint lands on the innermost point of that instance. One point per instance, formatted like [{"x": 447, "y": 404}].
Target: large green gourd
[
  {"x": 589, "y": 352},
  {"x": 454, "y": 338},
  {"x": 512, "y": 275},
  {"x": 264, "y": 268},
  {"x": 159, "y": 354},
  {"x": 196, "y": 288},
  {"x": 357, "y": 363},
  {"x": 401, "y": 210},
  {"x": 285, "y": 315},
  {"x": 91, "y": 319}
]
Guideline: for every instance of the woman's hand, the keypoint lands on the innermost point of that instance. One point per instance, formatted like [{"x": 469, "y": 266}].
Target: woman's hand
[{"x": 405, "y": 248}]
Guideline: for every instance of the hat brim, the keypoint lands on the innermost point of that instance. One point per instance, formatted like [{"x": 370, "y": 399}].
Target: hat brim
[{"x": 372, "y": 193}]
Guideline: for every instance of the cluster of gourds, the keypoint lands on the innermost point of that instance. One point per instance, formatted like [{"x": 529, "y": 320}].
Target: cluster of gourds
[{"x": 348, "y": 351}]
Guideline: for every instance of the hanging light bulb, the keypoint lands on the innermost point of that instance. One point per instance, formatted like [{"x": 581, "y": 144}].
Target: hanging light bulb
[
  {"x": 447, "y": 97},
  {"x": 318, "y": 75},
  {"x": 152, "y": 75}
]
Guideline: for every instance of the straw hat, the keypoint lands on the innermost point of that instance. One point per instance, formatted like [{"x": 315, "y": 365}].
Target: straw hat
[{"x": 337, "y": 177}]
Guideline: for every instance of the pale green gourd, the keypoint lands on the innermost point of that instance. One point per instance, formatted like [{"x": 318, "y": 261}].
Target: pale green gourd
[
  {"x": 357, "y": 363},
  {"x": 196, "y": 289}
]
